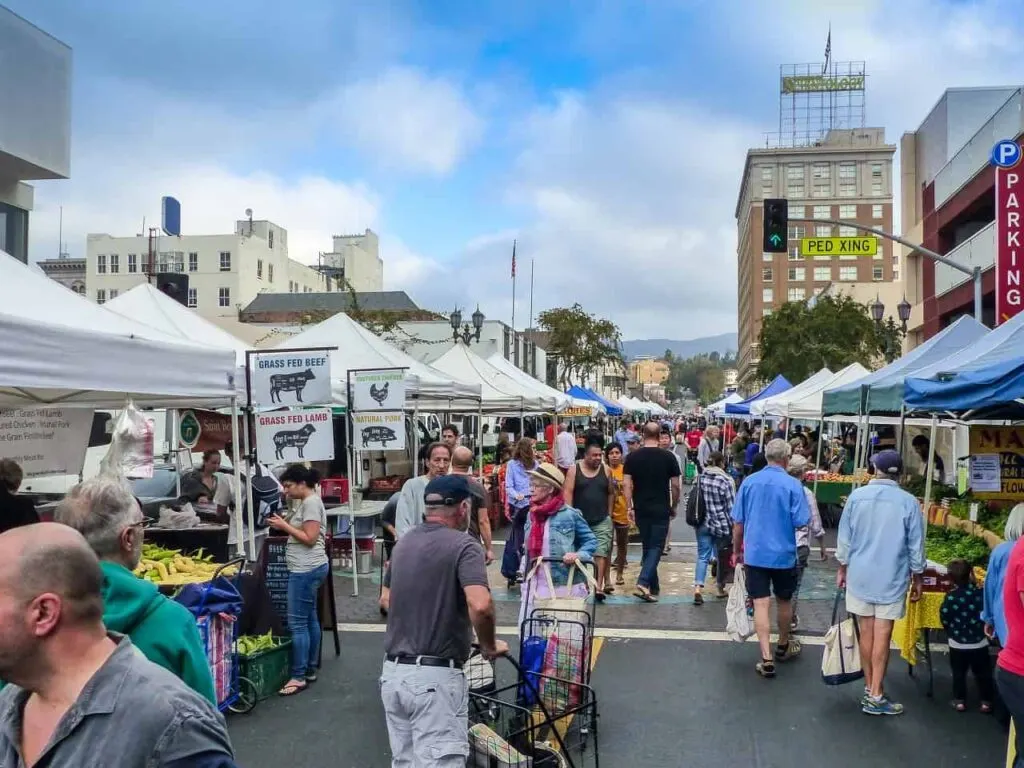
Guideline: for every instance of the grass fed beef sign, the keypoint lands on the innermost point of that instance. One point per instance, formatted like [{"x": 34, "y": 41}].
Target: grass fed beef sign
[
  {"x": 45, "y": 441},
  {"x": 290, "y": 378},
  {"x": 295, "y": 435},
  {"x": 1009, "y": 238}
]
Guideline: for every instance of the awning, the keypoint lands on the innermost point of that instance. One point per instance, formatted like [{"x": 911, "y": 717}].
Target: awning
[{"x": 778, "y": 386}]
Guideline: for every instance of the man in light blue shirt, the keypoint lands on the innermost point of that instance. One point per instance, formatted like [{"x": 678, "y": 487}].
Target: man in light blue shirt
[
  {"x": 881, "y": 554},
  {"x": 622, "y": 437},
  {"x": 769, "y": 507}
]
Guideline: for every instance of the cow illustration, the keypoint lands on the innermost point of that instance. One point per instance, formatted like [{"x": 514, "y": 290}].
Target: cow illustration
[
  {"x": 292, "y": 438},
  {"x": 378, "y": 434},
  {"x": 381, "y": 394},
  {"x": 289, "y": 382}
]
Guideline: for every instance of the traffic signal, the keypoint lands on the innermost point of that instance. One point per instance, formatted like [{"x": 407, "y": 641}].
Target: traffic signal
[{"x": 776, "y": 225}]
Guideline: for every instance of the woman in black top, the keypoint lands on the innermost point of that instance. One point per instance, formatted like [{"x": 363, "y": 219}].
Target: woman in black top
[
  {"x": 589, "y": 489},
  {"x": 15, "y": 510}
]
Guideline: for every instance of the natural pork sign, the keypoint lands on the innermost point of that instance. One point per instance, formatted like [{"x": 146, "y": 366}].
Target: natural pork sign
[
  {"x": 294, "y": 377},
  {"x": 1009, "y": 238}
]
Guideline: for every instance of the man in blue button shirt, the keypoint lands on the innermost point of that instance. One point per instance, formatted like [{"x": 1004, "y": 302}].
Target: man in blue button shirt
[
  {"x": 880, "y": 549},
  {"x": 769, "y": 508}
]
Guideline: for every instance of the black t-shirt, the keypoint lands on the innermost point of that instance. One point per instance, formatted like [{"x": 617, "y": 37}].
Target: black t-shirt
[{"x": 651, "y": 469}]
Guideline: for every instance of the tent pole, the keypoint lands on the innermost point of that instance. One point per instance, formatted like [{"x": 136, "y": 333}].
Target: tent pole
[
  {"x": 250, "y": 454},
  {"x": 817, "y": 458},
  {"x": 480, "y": 438},
  {"x": 416, "y": 438},
  {"x": 173, "y": 444},
  {"x": 931, "y": 467},
  {"x": 236, "y": 464}
]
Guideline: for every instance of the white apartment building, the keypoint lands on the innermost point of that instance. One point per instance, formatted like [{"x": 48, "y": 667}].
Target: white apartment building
[
  {"x": 356, "y": 261},
  {"x": 225, "y": 272}
]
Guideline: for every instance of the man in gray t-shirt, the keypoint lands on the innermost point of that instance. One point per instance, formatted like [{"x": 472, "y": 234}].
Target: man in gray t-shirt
[{"x": 438, "y": 592}]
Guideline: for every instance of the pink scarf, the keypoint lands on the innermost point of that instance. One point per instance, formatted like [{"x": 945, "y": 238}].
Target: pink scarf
[{"x": 539, "y": 515}]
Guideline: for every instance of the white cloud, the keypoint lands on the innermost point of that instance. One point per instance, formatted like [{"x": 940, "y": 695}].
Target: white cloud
[{"x": 406, "y": 119}]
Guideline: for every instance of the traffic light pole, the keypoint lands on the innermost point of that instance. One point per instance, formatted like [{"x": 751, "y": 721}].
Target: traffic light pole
[{"x": 973, "y": 272}]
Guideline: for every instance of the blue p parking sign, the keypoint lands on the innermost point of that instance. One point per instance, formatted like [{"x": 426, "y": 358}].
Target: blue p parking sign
[{"x": 1006, "y": 154}]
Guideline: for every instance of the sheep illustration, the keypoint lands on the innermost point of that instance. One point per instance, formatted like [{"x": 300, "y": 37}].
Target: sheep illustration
[
  {"x": 293, "y": 438},
  {"x": 289, "y": 382},
  {"x": 379, "y": 394}
]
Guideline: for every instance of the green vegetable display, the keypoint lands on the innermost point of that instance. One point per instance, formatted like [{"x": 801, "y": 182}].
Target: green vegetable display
[
  {"x": 945, "y": 544},
  {"x": 252, "y": 644}
]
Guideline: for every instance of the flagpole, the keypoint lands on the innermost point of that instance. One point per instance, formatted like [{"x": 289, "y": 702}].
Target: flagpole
[
  {"x": 515, "y": 345},
  {"x": 532, "y": 370}
]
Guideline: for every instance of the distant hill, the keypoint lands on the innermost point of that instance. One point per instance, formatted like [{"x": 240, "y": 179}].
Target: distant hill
[{"x": 722, "y": 343}]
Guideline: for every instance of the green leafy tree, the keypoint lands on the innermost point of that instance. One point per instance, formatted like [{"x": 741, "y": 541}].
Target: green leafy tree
[
  {"x": 704, "y": 375},
  {"x": 797, "y": 340},
  {"x": 583, "y": 343}
]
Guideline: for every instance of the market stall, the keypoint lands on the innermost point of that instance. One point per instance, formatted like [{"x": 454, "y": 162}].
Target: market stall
[
  {"x": 717, "y": 410},
  {"x": 777, "y": 386},
  {"x": 541, "y": 389},
  {"x": 583, "y": 393},
  {"x": 775, "y": 406}
]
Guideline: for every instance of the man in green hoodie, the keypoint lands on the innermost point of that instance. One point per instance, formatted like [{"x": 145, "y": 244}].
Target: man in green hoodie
[{"x": 106, "y": 513}]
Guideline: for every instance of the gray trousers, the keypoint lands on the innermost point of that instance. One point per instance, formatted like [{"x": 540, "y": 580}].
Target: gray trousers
[{"x": 427, "y": 712}]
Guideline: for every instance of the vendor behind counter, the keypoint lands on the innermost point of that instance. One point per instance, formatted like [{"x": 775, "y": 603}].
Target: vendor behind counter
[{"x": 15, "y": 510}]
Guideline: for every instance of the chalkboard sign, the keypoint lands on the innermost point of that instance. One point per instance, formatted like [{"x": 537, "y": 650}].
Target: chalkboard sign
[{"x": 275, "y": 580}]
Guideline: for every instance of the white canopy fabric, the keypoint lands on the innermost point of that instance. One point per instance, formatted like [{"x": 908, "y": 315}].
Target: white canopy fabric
[
  {"x": 809, "y": 406},
  {"x": 499, "y": 393},
  {"x": 540, "y": 389},
  {"x": 359, "y": 348},
  {"x": 776, "y": 405},
  {"x": 633, "y": 405},
  {"x": 717, "y": 409},
  {"x": 59, "y": 348}
]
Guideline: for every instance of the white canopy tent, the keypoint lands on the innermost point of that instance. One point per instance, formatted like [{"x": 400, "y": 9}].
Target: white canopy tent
[
  {"x": 358, "y": 348},
  {"x": 717, "y": 409},
  {"x": 633, "y": 405},
  {"x": 775, "y": 406},
  {"x": 540, "y": 389},
  {"x": 59, "y": 348},
  {"x": 808, "y": 407},
  {"x": 499, "y": 393}
]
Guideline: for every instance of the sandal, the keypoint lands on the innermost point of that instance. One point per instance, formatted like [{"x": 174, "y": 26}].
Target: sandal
[
  {"x": 766, "y": 668},
  {"x": 645, "y": 594},
  {"x": 959, "y": 706},
  {"x": 698, "y": 598},
  {"x": 986, "y": 708},
  {"x": 311, "y": 678},
  {"x": 619, "y": 581},
  {"x": 609, "y": 589},
  {"x": 292, "y": 687}
]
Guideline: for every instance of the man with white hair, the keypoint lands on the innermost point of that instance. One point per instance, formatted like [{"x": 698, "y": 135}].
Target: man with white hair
[
  {"x": 106, "y": 513},
  {"x": 769, "y": 507}
]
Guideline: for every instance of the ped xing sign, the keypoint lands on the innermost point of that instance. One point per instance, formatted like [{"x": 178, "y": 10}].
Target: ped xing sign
[
  {"x": 1009, "y": 233},
  {"x": 838, "y": 246}
]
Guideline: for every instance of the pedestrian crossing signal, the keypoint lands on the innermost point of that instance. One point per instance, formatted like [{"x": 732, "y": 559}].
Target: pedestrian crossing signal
[{"x": 776, "y": 225}]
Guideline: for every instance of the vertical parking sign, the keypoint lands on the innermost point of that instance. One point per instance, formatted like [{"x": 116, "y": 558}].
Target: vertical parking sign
[{"x": 1009, "y": 230}]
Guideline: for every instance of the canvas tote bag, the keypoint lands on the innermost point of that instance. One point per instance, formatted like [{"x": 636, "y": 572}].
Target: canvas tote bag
[{"x": 840, "y": 663}]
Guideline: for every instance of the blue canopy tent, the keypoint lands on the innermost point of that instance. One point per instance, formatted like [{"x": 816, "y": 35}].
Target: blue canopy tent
[
  {"x": 778, "y": 386},
  {"x": 853, "y": 399},
  {"x": 985, "y": 379},
  {"x": 614, "y": 409}
]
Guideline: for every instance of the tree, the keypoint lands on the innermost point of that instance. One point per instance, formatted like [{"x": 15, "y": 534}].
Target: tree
[
  {"x": 582, "y": 342},
  {"x": 704, "y": 375},
  {"x": 797, "y": 341}
]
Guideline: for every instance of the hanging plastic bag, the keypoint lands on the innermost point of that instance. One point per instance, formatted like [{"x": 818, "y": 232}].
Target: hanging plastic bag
[
  {"x": 739, "y": 624},
  {"x": 131, "y": 445}
]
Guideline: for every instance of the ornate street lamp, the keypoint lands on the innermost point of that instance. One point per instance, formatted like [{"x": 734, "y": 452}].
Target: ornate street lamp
[
  {"x": 463, "y": 331},
  {"x": 904, "y": 311},
  {"x": 877, "y": 310}
]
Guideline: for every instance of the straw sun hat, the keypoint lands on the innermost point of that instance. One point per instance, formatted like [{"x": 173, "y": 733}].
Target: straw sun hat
[{"x": 549, "y": 474}]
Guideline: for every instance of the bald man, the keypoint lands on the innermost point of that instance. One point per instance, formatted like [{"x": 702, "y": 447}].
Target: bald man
[
  {"x": 480, "y": 520},
  {"x": 59, "y": 658}
]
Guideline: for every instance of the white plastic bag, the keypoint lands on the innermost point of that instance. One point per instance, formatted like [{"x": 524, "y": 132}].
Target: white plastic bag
[
  {"x": 840, "y": 664},
  {"x": 738, "y": 624},
  {"x": 131, "y": 445}
]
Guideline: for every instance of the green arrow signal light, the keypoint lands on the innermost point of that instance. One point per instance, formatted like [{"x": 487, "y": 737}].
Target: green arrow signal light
[{"x": 775, "y": 239}]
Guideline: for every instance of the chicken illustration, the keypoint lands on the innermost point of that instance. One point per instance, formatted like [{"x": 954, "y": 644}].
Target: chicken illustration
[{"x": 380, "y": 394}]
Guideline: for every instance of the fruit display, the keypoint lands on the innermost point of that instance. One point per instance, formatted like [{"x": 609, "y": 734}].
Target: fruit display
[
  {"x": 834, "y": 477},
  {"x": 249, "y": 645},
  {"x": 170, "y": 568},
  {"x": 942, "y": 545}
]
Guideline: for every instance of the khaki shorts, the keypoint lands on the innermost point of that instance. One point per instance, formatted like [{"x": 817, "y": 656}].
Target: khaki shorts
[
  {"x": 890, "y": 611},
  {"x": 603, "y": 532}
]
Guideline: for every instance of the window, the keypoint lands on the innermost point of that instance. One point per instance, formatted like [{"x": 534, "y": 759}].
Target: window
[
  {"x": 847, "y": 189},
  {"x": 101, "y": 266},
  {"x": 765, "y": 256},
  {"x": 767, "y": 295},
  {"x": 879, "y": 251},
  {"x": 876, "y": 189},
  {"x": 848, "y": 274},
  {"x": 876, "y": 211},
  {"x": 795, "y": 190},
  {"x": 270, "y": 273},
  {"x": 876, "y": 171},
  {"x": 822, "y": 274},
  {"x": 823, "y": 230},
  {"x": 876, "y": 273},
  {"x": 766, "y": 274},
  {"x": 766, "y": 311},
  {"x": 259, "y": 269},
  {"x": 847, "y": 170},
  {"x": 797, "y": 212},
  {"x": 822, "y": 211},
  {"x": 847, "y": 232},
  {"x": 796, "y": 231},
  {"x": 794, "y": 253},
  {"x": 847, "y": 211},
  {"x": 225, "y": 264},
  {"x": 795, "y": 294},
  {"x": 797, "y": 274},
  {"x": 822, "y": 171},
  {"x": 270, "y": 237},
  {"x": 224, "y": 297},
  {"x": 115, "y": 265},
  {"x": 133, "y": 263},
  {"x": 193, "y": 298},
  {"x": 795, "y": 173},
  {"x": 193, "y": 262},
  {"x": 113, "y": 293},
  {"x": 291, "y": 286},
  {"x": 101, "y": 296}
]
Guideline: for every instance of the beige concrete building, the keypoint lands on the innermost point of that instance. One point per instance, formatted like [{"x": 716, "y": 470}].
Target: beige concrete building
[
  {"x": 846, "y": 176},
  {"x": 648, "y": 370},
  {"x": 356, "y": 260}
]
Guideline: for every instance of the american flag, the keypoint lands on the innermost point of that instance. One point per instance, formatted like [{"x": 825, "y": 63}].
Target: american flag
[
  {"x": 828, "y": 51},
  {"x": 513, "y": 258}
]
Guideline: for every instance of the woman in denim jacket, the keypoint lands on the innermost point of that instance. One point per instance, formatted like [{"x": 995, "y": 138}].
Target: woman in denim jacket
[{"x": 554, "y": 530}]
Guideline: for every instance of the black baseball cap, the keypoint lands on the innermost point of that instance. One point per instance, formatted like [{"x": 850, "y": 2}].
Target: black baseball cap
[{"x": 446, "y": 491}]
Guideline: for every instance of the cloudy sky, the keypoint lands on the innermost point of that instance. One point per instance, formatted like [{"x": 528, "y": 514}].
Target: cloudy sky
[{"x": 608, "y": 137}]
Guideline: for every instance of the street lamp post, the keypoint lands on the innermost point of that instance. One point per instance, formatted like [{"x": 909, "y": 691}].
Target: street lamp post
[
  {"x": 462, "y": 331},
  {"x": 877, "y": 309}
]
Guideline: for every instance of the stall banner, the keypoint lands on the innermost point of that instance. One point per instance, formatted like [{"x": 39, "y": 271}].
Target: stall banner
[
  {"x": 379, "y": 431},
  {"x": 45, "y": 441},
  {"x": 294, "y": 377},
  {"x": 295, "y": 435},
  {"x": 200, "y": 430},
  {"x": 997, "y": 462},
  {"x": 575, "y": 411},
  {"x": 381, "y": 390}
]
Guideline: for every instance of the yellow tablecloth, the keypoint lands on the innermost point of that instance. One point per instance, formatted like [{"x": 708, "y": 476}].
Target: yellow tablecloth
[{"x": 924, "y": 614}]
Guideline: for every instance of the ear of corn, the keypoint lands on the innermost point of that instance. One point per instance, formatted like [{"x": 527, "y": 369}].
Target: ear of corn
[{"x": 169, "y": 567}]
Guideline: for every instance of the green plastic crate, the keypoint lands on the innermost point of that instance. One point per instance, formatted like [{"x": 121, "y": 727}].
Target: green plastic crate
[
  {"x": 691, "y": 472},
  {"x": 268, "y": 670}
]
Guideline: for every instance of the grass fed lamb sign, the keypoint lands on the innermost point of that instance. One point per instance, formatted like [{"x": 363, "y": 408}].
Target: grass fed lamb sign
[
  {"x": 293, "y": 436},
  {"x": 1009, "y": 235}
]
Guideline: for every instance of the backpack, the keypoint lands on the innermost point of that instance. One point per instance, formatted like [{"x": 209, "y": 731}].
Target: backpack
[
  {"x": 696, "y": 511},
  {"x": 267, "y": 498}
]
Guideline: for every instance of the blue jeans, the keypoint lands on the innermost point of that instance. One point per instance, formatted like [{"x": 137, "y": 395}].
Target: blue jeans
[
  {"x": 708, "y": 547},
  {"x": 513, "y": 552},
  {"x": 303, "y": 621},
  {"x": 652, "y": 541}
]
